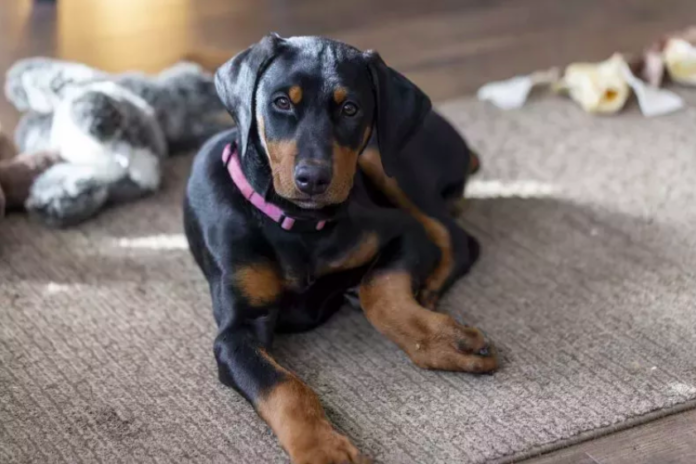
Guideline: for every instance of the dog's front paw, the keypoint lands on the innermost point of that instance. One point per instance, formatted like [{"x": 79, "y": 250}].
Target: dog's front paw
[
  {"x": 454, "y": 347},
  {"x": 326, "y": 446}
]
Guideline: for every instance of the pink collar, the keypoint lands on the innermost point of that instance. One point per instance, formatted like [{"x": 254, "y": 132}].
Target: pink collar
[{"x": 231, "y": 160}]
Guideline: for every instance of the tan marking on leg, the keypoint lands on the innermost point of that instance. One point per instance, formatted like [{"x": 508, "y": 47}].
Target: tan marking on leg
[
  {"x": 340, "y": 94},
  {"x": 371, "y": 164},
  {"x": 274, "y": 363},
  {"x": 295, "y": 94},
  {"x": 432, "y": 340},
  {"x": 260, "y": 283},
  {"x": 362, "y": 253},
  {"x": 295, "y": 415}
]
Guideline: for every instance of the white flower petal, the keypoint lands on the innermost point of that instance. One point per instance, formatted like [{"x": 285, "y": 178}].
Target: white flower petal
[
  {"x": 653, "y": 101},
  {"x": 508, "y": 94}
]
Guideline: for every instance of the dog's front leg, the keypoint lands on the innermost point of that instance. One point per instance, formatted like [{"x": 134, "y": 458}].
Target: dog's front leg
[
  {"x": 245, "y": 304},
  {"x": 432, "y": 340}
]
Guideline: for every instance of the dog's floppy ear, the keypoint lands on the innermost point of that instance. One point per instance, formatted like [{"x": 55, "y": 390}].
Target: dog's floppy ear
[
  {"x": 400, "y": 108},
  {"x": 236, "y": 82}
]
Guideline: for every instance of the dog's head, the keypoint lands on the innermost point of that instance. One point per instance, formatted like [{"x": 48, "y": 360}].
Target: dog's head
[{"x": 311, "y": 105}]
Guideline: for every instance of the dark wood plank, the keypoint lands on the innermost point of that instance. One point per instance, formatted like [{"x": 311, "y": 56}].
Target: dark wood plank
[
  {"x": 671, "y": 440},
  {"x": 449, "y": 47}
]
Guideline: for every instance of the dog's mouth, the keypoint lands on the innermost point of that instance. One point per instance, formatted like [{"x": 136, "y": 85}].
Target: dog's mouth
[
  {"x": 313, "y": 203},
  {"x": 308, "y": 203},
  {"x": 302, "y": 200},
  {"x": 311, "y": 207}
]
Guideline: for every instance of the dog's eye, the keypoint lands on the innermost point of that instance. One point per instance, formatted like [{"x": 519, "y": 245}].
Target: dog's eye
[
  {"x": 350, "y": 109},
  {"x": 282, "y": 103}
]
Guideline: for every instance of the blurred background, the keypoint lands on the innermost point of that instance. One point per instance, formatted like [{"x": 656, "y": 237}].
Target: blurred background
[
  {"x": 448, "y": 47},
  {"x": 587, "y": 279}
]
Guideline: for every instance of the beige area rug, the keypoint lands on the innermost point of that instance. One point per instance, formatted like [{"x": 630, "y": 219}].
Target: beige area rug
[{"x": 587, "y": 283}]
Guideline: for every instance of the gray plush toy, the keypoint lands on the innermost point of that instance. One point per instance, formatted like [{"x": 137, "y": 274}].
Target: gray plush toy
[{"x": 111, "y": 132}]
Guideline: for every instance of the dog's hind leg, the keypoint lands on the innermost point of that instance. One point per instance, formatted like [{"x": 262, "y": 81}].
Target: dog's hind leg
[
  {"x": 453, "y": 251},
  {"x": 432, "y": 340},
  {"x": 453, "y": 194}
]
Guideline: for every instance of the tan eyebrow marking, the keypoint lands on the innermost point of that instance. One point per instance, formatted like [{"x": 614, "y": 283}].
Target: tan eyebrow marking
[
  {"x": 295, "y": 94},
  {"x": 340, "y": 94}
]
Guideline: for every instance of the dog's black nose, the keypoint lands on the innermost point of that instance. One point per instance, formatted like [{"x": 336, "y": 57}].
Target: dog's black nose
[{"x": 312, "y": 179}]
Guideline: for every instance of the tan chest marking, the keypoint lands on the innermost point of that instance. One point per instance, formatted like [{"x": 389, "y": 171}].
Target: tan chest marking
[{"x": 360, "y": 255}]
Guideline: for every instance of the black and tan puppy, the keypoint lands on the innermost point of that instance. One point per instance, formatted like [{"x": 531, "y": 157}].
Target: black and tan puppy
[{"x": 339, "y": 176}]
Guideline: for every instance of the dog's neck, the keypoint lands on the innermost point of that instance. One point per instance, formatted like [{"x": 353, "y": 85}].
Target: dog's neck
[{"x": 257, "y": 170}]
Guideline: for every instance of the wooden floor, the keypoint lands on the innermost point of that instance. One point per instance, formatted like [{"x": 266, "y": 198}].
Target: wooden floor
[
  {"x": 670, "y": 440},
  {"x": 448, "y": 47}
]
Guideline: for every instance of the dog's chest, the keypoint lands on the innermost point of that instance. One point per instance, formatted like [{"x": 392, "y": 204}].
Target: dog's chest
[{"x": 303, "y": 263}]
